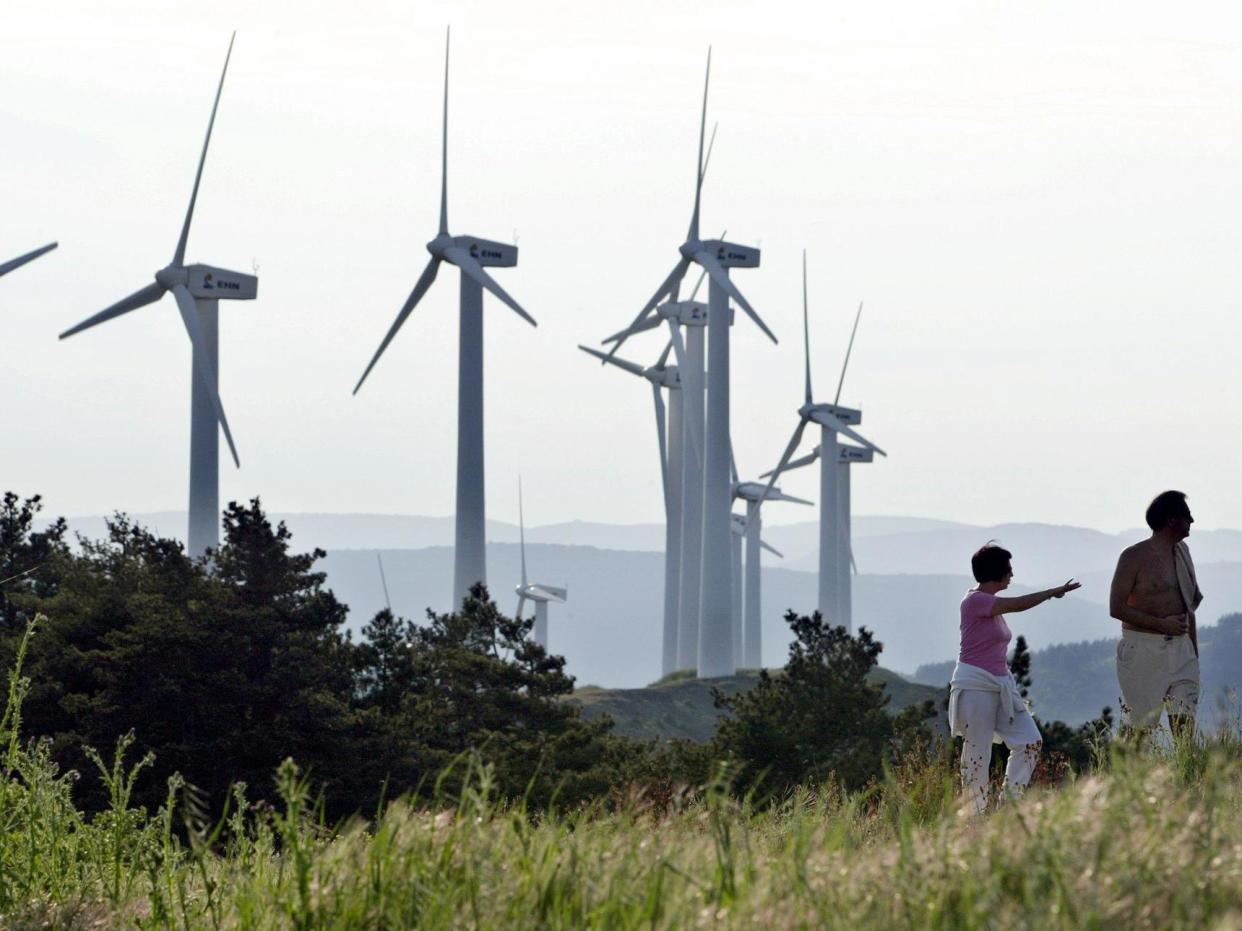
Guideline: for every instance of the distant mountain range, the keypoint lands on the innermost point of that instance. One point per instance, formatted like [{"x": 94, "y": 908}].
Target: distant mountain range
[
  {"x": 914, "y": 573},
  {"x": 1043, "y": 553}
]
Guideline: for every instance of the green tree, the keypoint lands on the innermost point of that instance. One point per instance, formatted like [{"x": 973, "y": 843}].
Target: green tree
[
  {"x": 819, "y": 720},
  {"x": 24, "y": 552},
  {"x": 484, "y": 684},
  {"x": 222, "y": 667}
]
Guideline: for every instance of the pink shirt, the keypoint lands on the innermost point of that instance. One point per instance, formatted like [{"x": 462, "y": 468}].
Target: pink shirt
[{"x": 985, "y": 639}]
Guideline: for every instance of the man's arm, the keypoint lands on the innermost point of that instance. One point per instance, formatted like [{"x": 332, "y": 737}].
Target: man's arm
[{"x": 1124, "y": 578}]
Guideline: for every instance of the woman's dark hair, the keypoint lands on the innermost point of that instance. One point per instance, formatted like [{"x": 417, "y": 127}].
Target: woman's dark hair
[
  {"x": 990, "y": 563},
  {"x": 1164, "y": 507}
]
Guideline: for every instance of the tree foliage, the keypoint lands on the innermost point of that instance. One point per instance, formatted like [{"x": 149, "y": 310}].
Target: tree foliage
[
  {"x": 818, "y": 721},
  {"x": 225, "y": 666}
]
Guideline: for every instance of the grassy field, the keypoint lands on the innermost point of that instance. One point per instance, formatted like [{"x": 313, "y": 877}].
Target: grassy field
[
  {"x": 1154, "y": 841},
  {"x": 1153, "y": 844}
]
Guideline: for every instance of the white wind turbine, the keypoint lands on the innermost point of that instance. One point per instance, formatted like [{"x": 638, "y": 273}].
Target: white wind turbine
[
  {"x": 751, "y": 624},
  {"x": 470, "y": 254},
  {"x": 670, "y": 431},
  {"x": 21, "y": 260},
  {"x": 833, "y": 421},
  {"x": 715, "y": 257},
  {"x": 847, "y": 456},
  {"x": 691, "y": 316},
  {"x": 541, "y": 595},
  {"x": 197, "y": 289}
]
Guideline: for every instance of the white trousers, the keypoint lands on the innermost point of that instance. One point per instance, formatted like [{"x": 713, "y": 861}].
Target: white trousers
[{"x": 981, "y": 717}]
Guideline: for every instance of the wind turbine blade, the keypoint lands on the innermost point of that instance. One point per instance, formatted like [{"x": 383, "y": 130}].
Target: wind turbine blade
[
  {"x": 148, "y": 295},
  {"x": 781, "y": 496},
  {"x": 420, "y": 288},
  {"x": 785, "y": 457},
  {"x": 834, "y": 424},
  {"x": 652, "y": 322},
  {"x": 663, "y": 360},
  {"x": 444, "y": 142},
  {"x": 853, "y": 565},
  {"x": 798, "y": 463},
  {"x": 714, "y": 268},
  {"x": 632, "y": 367},
  {"x": 806, "y": 330},
  {"x": 693, "y": 234},
  {"x": 679, "y": 348},
  {"x": 206, "y": 369},
  {"x": 179, "y": 255},
  {"x": 732, "y": 464},
  {"x": 383, "y": 581},
  {"x": 463, "y": 260},
  {"x": 23, "y": 259},
  {"x": 711, "y": 144},
  {"x": 522, "y": 531},
  {"x": 848, "y": 350},
  {"x": 668, "y": 285},
  {"x": 658, "y": 397},
  {"x": 771, "y": 549},
  {"x": 521, "y": 604},
  {"x": 703, "y": 274}
]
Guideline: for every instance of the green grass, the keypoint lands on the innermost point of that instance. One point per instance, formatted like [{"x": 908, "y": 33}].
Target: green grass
[{"x": 1155, "y": 841}]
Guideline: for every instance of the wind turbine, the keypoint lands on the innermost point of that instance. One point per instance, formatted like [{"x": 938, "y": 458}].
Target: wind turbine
[
  {"x": 754, "y": 494},
  {"x": 663, "y": 376},
  {"x": 21, "y": 260},
  {"x": 715, "y": 257},
  {"x": 834, "y": 421},
  {"x": 197, "y": 289},
  {"x": 847, "y": 456},
  {"x": 539, "y": 594},
  {"x": 470, "y": 254}
]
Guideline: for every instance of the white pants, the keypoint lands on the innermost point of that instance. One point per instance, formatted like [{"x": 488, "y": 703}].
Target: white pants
[
  {"x": 981, "y": 715},
  {"x": 1156, "y": 672}
]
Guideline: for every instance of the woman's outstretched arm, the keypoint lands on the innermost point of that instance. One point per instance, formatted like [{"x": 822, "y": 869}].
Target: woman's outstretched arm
[{"x": 1026, "y": 602}]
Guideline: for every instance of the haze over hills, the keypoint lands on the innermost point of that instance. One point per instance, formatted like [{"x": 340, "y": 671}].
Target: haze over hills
[
  {"x": 914, "y": 572},
  {"x": 1043, "y": 553}
]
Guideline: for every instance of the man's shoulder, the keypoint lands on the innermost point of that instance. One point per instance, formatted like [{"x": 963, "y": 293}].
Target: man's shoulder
[{"x": 1134, "y": 551}]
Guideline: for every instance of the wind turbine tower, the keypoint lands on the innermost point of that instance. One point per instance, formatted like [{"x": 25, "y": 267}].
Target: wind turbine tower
[
  {"x": 541, "y": 595},
  {"x": 198, "y": 290},
  {"x": 715, "y": 257},
  {"x": 755, "y": 494},
  {"x": 670, "y": 436},
  {"x": 834, "y": 421},
  {"x": 471, "y": 255},
  {"x": 848, "y": 455},
  {"x": 6, "y": 267}
]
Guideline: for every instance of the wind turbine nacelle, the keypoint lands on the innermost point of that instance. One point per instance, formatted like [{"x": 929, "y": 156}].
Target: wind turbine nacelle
[
  {"x": 207, "y": 281},
  {"x": 488, "y": 253},
  {"x": 537, "y": 592},
  {"x": 752, "y": 491},
  {"x": 687, "y": 313},
  {"x": 847, "y": 454},
  {"x": 733, "y": 255},
  {"x": 847, "y": 415}
]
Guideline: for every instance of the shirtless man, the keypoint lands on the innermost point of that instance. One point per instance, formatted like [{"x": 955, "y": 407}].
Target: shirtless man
[{"x": 1154, "y": 595}]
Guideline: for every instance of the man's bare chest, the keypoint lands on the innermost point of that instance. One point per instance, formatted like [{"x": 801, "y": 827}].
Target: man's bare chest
[{"x": 1156, "y": 577}]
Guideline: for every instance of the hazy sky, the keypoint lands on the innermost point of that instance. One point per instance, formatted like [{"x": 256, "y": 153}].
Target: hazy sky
[{"x": 1039, "y": 204}]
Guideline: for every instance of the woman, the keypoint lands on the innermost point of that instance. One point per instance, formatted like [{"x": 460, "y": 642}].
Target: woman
[{"x": 985, "y": 706}]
